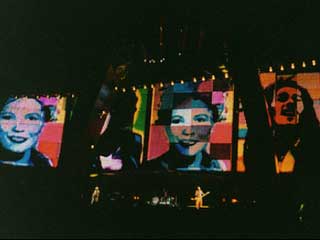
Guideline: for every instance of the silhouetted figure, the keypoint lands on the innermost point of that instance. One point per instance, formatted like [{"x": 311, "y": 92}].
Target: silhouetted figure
[{"x": 119, "y": 148}]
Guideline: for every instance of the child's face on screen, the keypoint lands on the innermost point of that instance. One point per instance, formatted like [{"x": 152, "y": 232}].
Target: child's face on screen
[
  {"x": 21, "y": 122},
  {"x": 190, "y": 127}
]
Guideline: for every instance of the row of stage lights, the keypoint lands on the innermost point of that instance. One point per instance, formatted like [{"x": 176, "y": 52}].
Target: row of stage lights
[
  {"x": 38, "y": 96},
  {"x": 292, "y": 66},
  {"x": 223, "y": 69},
  {"x": 270, "y": 68},
  {"x": 161, "y": 60},
  {"x": 153, "y": 61},
  {"x": 172, "y": 83}
]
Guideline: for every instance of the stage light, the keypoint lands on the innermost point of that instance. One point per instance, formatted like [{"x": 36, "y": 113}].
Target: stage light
[
  {"x": 133, "y": 88},
  {"x": 270, "y": 69},
  {"x": 172, "y": 83},
  {"x": 144, "y": 86},
  {"x": 124, "y": 90},
  {"x": 145, "y": 60},
  {"x": 161, "y": 84},
  {"x": 179, "y": 53},
  {"x": 152, "y": 86},
  {"x": 203, "y": 79},
  {"x": 116, "y": 88},
  {"x": 136, "y": 197},
  {"x": 194, "y": 80},
  {"x": 314, "y": 62},
  {"x": 304, "y": 64},
  {"x": 281, "y": 68},
  {"x": 293, "y": 66},
  {"x": 92, "y": 146},
  {"x": 213, "y": 77},
  {"x": 234, "y": 200},
  {"x": 226, "y": 75},
  {"x": 181, "y": 81}
]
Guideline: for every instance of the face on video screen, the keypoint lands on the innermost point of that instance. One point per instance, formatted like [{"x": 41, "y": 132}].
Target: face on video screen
[
  {"x": 194, "y": 122},
  {"x": 190, "y": 128},
  {"x": 292, "y": 104},
  {"x": 30, "y": 129},
  {"x": 288, "y": 105},
  {"x": 21, "y": 122}
]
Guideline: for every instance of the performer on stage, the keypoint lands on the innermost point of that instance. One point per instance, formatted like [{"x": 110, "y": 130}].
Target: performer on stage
[
  {"x": 198, "y": 196},
  {"x": 95, "y": 195},
  {"x": 165, "y": 197}
]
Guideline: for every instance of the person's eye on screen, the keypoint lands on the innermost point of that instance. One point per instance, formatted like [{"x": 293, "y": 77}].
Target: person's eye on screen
[
  {"x": 177, "y": 120},
  {"x": 201, "y": 118},
  {"x": 282, "y": 97},
  {"x": 296, "y": 98},
  {"x": 6, "y": 116},
  {"x": 33, "y": 117}
]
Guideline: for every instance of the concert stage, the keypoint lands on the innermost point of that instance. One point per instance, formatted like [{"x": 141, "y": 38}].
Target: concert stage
[
  {"x": 228, "y": 221},
  {"x": 234, "y": 207},
  {"x": 37, "y": 207},
  {"x": 193, "y": 206}
]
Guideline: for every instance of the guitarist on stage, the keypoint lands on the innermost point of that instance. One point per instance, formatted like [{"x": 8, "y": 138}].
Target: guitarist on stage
[{"x": 198, "y": 197}]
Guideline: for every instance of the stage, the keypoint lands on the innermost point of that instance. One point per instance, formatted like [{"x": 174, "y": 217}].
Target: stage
[{"x": 230, "y": 221}]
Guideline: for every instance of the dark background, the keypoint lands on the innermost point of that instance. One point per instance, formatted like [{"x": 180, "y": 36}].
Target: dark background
[{"x": 66, "y": 47}]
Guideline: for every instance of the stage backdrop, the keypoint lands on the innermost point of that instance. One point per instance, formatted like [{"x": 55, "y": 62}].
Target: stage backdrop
[{"x": 293, "y": 106}]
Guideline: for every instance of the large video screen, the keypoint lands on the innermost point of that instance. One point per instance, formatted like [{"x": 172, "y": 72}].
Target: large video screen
[
  {"x": 117, "y": 129},
  {"x": 242, "y": 133},
  {"x": 31, "y": 130},
  {"x": 191, "y": 127},
  {"x": 293, "y": 107}
]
